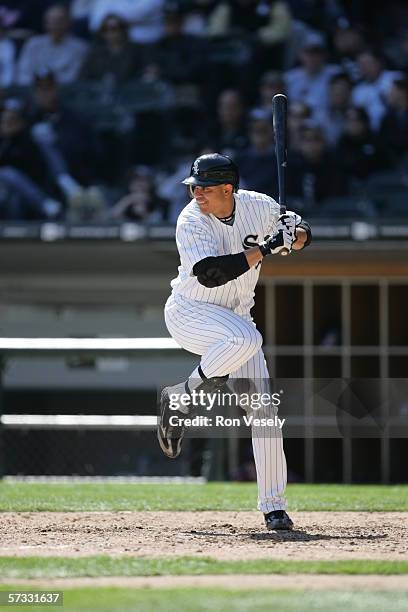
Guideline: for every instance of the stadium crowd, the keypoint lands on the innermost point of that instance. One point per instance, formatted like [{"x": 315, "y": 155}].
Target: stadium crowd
[{"x": 104, "y": 103}]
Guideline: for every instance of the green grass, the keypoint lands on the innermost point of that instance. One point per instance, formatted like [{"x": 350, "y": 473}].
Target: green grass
[
  {"x": 213, "y": 496},
  {"x": 101, "y": 565},
  {"x": 223, "y": 600}
]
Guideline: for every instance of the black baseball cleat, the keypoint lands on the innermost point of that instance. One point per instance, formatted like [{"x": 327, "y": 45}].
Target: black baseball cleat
[
  {"x": 169, "y": 436},
  {"x": 278, "y": 519}
]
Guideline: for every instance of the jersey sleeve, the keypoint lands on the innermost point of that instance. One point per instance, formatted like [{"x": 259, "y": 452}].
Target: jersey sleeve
[
  {"x": 273, "y": 215},
  {"x": 195, "y": 242}
]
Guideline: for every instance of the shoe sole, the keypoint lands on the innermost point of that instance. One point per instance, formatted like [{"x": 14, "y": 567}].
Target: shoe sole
[
  {"x": 278, "y": 528},
  {"x": 164, "y": 447}
]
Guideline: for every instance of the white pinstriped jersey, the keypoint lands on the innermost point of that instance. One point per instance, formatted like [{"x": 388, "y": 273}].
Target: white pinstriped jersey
[{"x": 199, "y": 236}]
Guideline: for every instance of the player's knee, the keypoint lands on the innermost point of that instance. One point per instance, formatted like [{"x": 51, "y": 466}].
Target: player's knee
[
  {"x": 251, "y": 341},
  {"x": 258, "y": 341}
]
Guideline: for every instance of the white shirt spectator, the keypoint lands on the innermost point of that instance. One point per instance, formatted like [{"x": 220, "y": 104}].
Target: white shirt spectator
[
  {"x": 7, "y": 62},
  {"x": 310, "y": 89},
  {"x": 63, "y": 59},
  {"x": 145, "y": 17},
  {"x": 372, "y": 96}
]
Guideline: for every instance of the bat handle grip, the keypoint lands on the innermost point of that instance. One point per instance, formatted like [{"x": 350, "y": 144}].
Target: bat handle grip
[{"x": 282, "y": 211}]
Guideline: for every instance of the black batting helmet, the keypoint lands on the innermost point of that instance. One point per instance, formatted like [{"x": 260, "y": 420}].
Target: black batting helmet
[{"x": 213, "y": 169}]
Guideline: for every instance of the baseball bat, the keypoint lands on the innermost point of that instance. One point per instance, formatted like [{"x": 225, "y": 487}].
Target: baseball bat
[{"x": 279, "y": 115}]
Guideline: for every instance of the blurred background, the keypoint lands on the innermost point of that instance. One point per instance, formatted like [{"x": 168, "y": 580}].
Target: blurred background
[{"x": 103, "y": 106}]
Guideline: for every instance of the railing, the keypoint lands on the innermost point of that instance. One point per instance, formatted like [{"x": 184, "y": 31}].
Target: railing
[{"x": 46, "y": 347}]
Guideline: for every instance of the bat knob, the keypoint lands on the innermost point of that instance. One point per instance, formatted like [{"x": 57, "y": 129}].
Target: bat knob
[{"x": 284, "y": 252}]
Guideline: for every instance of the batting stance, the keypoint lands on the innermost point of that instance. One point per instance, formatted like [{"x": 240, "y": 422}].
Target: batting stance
[{"x": 208, "y": 311}]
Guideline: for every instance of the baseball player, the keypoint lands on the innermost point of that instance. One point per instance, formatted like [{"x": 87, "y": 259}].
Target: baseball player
[{"x": 222, "y": 236}]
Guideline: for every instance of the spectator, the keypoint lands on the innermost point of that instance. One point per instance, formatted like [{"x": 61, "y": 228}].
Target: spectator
[
  {"x": 267, "y": 23},
  {"x": 257, "y": 163},
  {"x": 359, "y": 150},
  {"x": 7, "y": 56},
  {"x": 67, "y": 143},
  {"x": 80, "y": 11},
  {"x": 141, "y": 204},
  {"x": 313, "y": 174},
  {"x": 178, "y": 56},
  {"x": 271, "y": 83},
  {"x": 145, "y": 17},
  {"x": 297, "y": 115},
  {"x": 333, "y": 118},
  {"x": 171, "y": 188},
  {"x": 22, "y": 169},
  {"x": 394, "y": 126},
  {"x": 229, "y": 132},
  {"x": 196, "y": 16},
  {"x": 316, "y": 14},
  {"x": 309, "y": 82},
  {"x": 348, "y": 43},
  {"x": 26, "y": 15},
  {"x": 372, "y": 91},
  {"x": 57, "y": 50},
  {"x": 113, "y": 54},
  {"x": 397, "y": 50}
]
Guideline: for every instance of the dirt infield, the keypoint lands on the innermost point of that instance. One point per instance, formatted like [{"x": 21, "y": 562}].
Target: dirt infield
[{"x": 221, "y": 535}]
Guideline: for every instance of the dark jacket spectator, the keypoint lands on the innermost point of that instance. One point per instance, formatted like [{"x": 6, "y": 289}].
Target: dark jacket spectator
[
  {"x": 313, "y": 174},
  {"x": 113, "y": 53},
  {"x": 394, "y": 127},
  {"x": 67, "y": 131},
  {"x": 359, "y": 151},
  {"x": 17, "y": 149},
  {"x": 23, "y": 171},
  {"x": 178, "y": 56}
]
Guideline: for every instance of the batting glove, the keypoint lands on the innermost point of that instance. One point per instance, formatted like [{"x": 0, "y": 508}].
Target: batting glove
[
  {"x": 287, "y": 222},
  {"x": 282, "y": 241}
]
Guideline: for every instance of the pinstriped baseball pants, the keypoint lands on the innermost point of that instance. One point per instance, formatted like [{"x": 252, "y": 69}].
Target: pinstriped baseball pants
[{"x": 231, "y": 344}]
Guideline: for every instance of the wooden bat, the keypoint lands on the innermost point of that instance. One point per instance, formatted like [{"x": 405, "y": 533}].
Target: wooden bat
[{"x": 279, "y": 114}]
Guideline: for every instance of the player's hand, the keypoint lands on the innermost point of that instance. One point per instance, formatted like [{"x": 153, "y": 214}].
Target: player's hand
[{"x": 278, "y": 243}]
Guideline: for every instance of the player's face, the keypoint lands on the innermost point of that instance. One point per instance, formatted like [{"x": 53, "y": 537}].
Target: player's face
[{"x": 214, "y": 199}]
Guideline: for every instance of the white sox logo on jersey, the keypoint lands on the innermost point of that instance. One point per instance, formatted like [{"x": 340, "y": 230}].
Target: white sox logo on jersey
[{"x": 252, "y": 240}]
